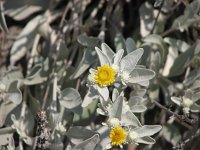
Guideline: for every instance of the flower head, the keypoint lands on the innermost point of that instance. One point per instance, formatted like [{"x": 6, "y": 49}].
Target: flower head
[
  {"x": 132, "y": 136},
  {"x": 187, "y": 102},
  {"x": 118, "y": 136},
  {"x": 105, "y": 75},
  {"x": 113, "y": 122},
  {"x": 125, "y": 76}
]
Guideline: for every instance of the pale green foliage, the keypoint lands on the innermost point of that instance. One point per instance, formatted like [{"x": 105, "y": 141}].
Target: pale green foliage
[{"x": 51, "y": 51}]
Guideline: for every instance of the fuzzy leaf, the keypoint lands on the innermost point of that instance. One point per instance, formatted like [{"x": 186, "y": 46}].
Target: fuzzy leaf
[
  {"x": 130, "y": 45},
  {"x": 14, "y": 94},
  {"x": 146, "y": 140},
  {"x": 141, "y": 75},
  {"x": 118, "y": 56},
  {"x": 104, "y": 92},
  {"x": 88, "y": 58},
  {"x": 115, "y": 94},
  {"x": 25, "y": 39},
  {"x": 148, "y": 130},
  {"x": 23, "y": 9},
  {"x": 176, "y": 100},
  {"x": 119, "y": 42},
  {"x": 88, "y": 144},
  {"x": 89, "y": 97},
  {"x": 116, "y": 108},
  {"x": 108, "y": 51},
  {"x": 196, "y": 97},
  {"x": 138, "y": 108},
  {"x": 195, "y": 108},
  {"x": 71, "y": 99},
  {"x": 158, "y": 40},
  {"x": 88, "y": 41},
  {"x": 129, "y": 62},
  {"x": 102, "y": 57},
  {"x": 181, "y": 62},
  {"x": 77, "y": 132},
  {"x": 130, "y": 119}
]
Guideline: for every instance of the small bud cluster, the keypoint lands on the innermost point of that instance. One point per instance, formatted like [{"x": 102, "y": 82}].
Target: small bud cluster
[{"x": 42, "y": 132}]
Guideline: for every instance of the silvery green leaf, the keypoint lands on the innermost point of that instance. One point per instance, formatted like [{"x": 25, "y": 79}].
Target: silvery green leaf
[
  {"x": 135, "y": 100},
  {"x": 188, "y": 94},
  {"x": 62, "y": 50},
  {"x": 100, "y": 110},
  {"x": 2, "y": 19},
  {"x": 90, "y": 96},
  {"x": 183, "y": 21},
  {"x": 35, "y": 76},
  {"x": 158, "y": 40},
  {"x": 71, "y": 99},
  {"x": 104, "y": 92},
  {"x": 108, "y": 51},
  {"x": 129, "y": 62},
  {"x": 141, "y": 75},
  {"x": 25, "y": 39},
  {"x": 196, "y": 97},
  {"x": 139, "y": 92},
  {"x": 176, "y": 100},
  {"x": 88, "y": 114},
  {"x": 193, "y": 76},
  {"x": 19, "y": 10},
  {"x": 171, "y": 133},
  {"x": 176, "y": 44},
  {"x": 115, "y": 94},
  {"x": 138, "y": 108},
  {"x": 130, "y": 45},
  {"x": 144, "y": 83},
  {"x": 102, "y": 57},
  {"x": 78, "y": 132},
  {"x": 195, "y": 108},
  {"x": 155, "y": 61},
  {"x": 148, "y": 130},
  {"x": 129, "y": 119},
  {"x": 147, "y": 54},
  {"x": 118, "y": 56},
  {"x": 88, "y": 144},
  {"x": 116, "y": 108},
  {"x": 172, "y": 55},
  {"x": 14, "y": 94},
  {"x": 146, "y": 140},
  {"x": 14, "y": 73},
  {"x": 88, "y": 58},
  {"x": 88, "y": 41},
  {"x": 181, "y": 62},
  {"x": 146, "y": 18},
  {"x": 119, "y": 42}
]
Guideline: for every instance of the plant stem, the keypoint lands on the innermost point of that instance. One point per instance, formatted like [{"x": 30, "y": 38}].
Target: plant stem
[
  {"x": 156, "y": 19},
  {"x": 180, "y": 117}
]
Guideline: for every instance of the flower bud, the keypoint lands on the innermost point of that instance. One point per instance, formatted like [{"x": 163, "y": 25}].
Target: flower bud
[
  {"x": 132, "y": 136},
  {"x": 113, "y": 122}
]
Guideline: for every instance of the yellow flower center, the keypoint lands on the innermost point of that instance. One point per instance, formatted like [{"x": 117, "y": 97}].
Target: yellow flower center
[
  {"x": 105, "y": 75},
  {"x": 118, "y": 136}
]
